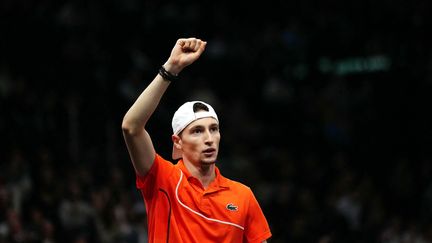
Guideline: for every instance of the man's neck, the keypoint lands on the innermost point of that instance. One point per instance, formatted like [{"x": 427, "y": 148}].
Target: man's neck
[{"x": 205, "y": 173}]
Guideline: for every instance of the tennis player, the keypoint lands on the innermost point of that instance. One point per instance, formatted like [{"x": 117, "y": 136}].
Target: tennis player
[{"x": 188, "y": 200}]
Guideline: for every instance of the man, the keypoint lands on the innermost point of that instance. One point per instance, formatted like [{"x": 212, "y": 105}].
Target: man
[{"x": 189, "y": 201}]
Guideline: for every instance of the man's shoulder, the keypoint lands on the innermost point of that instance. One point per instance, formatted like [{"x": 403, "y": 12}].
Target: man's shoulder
[
  {"x": 161, "y": 166},
  {"x": 237, "y": 185},
  {"x": 165, "y": 163}
]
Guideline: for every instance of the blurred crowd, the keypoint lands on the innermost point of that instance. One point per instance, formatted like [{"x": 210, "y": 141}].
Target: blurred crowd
[{"x": 336, "y": 148}]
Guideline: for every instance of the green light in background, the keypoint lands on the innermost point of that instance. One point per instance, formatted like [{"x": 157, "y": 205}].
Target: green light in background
[{"x": 355, "y": 65}]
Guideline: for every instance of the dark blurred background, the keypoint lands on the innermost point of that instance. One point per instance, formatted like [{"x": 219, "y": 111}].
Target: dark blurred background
[{"x": 323, "y": 108}]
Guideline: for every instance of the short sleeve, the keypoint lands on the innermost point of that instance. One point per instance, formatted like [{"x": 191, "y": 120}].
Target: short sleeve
[
  {"x": 160, "y": 169},
  {"x": 257, "y": 228}
]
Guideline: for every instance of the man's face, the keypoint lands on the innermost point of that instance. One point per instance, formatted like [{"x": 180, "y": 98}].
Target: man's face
[{"x": 199, "y": 141}]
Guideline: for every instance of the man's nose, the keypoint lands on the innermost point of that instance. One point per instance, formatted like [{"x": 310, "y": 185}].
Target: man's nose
[{"x": 208, "y": 136}]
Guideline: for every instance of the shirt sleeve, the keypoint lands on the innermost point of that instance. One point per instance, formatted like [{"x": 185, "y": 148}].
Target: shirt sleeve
[
  {"x": 257, "y": 228},
  {"x": 150, "y": 183}
]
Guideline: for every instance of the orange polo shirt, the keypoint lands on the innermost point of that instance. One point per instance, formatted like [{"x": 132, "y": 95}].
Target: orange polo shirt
[{"x": 179, "y": 209}]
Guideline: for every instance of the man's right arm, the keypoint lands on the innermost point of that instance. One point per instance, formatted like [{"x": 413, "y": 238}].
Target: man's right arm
[{"x": 138, "y": 141}]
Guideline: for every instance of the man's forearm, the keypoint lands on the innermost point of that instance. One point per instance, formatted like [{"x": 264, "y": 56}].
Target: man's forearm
[{"x": 140, "y": 112}]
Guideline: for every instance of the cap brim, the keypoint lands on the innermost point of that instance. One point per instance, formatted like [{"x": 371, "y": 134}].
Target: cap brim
[{"x": 176, "y": 153}]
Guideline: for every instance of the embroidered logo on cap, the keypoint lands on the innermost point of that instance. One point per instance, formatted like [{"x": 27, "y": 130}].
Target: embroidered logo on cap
[{"x": 231, "y": 207}]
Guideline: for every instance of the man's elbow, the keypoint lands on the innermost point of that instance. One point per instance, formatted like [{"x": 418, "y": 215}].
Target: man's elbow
[{"x": 131, "y": 128}]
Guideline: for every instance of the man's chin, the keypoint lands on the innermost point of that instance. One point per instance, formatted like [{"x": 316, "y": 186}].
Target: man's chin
[{"x": 208, "y": 161}]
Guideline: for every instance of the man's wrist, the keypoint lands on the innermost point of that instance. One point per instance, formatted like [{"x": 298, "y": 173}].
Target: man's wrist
[
  {"x": 167, "y": 75},
  {"x": 172, "y": 67}
]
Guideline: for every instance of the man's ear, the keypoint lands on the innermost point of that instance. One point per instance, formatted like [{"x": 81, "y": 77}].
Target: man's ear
[{"x": 176, "y": 141}]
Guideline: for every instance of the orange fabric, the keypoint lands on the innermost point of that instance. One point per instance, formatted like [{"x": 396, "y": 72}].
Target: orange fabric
[{"x": 180, "y": 210}]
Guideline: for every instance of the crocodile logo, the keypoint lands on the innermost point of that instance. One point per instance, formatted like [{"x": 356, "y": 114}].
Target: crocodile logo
[{"x": 231, "y": 207}]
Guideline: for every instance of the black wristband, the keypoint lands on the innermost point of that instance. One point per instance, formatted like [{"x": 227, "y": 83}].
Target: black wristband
[{"x": 167, "y": 75}]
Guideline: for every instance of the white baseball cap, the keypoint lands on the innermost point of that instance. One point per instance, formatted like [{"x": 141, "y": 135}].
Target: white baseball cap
[{"x": 184, "y": 116}]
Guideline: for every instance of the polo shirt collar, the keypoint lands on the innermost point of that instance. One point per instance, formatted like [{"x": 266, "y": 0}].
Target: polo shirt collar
[{"x": 219, "y": 183}]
